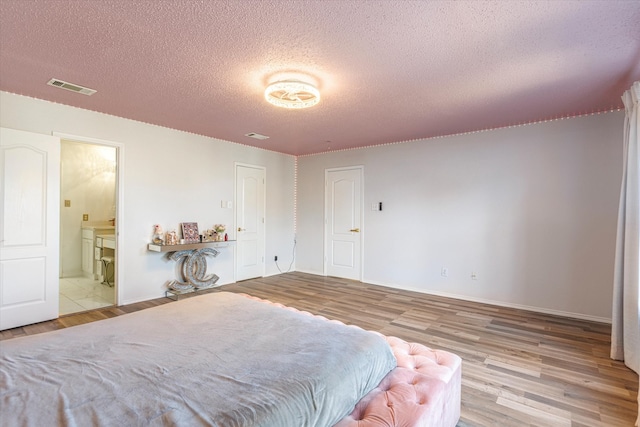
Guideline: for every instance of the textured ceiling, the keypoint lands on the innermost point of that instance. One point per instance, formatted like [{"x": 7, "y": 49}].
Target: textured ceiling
[{"x": 388, "y": 71}]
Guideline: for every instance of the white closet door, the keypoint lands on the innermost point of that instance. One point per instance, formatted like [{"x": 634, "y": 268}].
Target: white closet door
[
  {"x": 250, "y": 208},
  {"x": 343, "y": 223}
]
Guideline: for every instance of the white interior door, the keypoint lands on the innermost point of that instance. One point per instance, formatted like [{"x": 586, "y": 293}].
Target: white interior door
[
  {"x": 250, "y": 206},
  {"x": 343, "y": 223},
  {"x": 29, "y": 233}
]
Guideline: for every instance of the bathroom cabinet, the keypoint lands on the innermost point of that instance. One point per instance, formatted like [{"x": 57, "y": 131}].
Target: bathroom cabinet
[
  {"x": 90, "y": 266},
  {"x": 87, "y": 255}
]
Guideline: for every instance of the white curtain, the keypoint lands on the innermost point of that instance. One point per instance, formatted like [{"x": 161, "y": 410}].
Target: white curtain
[{"x": 625, "y": 332}]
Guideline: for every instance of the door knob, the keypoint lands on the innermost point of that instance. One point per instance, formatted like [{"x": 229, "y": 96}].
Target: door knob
[
  {"x": 241, "y": 229},
  {"x": 355, "y": 230}
]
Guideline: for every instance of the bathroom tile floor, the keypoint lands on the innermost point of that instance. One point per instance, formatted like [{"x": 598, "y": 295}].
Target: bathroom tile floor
[{"x": 82, "y": 294}]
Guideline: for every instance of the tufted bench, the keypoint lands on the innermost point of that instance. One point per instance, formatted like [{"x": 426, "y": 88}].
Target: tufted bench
[{"x": 423, "y": 390}]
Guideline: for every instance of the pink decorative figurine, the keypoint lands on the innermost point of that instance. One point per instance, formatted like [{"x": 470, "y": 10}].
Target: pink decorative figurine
[{"x": 158, "y": 235}]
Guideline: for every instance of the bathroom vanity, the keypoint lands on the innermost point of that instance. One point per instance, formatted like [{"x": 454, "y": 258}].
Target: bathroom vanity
[{"x": 92, "y": 252}]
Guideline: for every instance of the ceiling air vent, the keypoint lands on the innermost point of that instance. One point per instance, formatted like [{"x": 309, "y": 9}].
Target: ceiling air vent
[
  {"x": 256, "y": 135},
  {"x": 70, "y": 86}
]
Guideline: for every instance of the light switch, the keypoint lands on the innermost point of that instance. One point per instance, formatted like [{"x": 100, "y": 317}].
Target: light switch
[{"x": 67, "y": 203}]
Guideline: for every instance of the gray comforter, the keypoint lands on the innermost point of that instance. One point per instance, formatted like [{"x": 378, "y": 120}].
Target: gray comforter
[{"x": 219, "y": 359}]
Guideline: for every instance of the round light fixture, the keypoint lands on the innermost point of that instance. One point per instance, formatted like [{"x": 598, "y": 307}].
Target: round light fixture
[{"x": 292, "y": 94}]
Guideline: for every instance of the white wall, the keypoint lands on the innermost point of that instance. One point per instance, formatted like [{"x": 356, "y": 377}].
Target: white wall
[
  {"x": 88, "y": 181},
  {"x": 531, "y": 209},
  {"x": 169, "y": 177}
]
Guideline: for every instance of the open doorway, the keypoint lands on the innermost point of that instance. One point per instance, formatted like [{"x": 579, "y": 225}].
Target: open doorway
[{"x": 88, "y": 198}]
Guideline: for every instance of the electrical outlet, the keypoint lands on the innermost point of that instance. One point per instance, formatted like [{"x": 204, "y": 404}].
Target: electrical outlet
[
  {"x": 67, "y": 203},
  {"x": 444, "y": 272},
  {"x": 474, "y": 275},
  {"x": 85, "y": 217},
  {"x": 275, "y": 258}
]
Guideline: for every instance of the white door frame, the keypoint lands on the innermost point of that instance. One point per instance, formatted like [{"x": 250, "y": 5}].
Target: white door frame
[
  {"x": 119, "y": 231},
  {"x": 235, "y": 215},
  {"x": 326, "y": 240}
]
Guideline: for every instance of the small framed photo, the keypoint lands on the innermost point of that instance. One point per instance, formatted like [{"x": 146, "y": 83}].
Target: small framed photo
[{"x": 190, "y": 232}]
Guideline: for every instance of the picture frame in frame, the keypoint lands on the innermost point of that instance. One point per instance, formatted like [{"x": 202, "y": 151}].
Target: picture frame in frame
[{"x": 190, "y": 232}]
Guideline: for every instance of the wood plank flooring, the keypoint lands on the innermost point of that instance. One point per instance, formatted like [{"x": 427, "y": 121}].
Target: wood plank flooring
[{"x": 520, "y": 368}]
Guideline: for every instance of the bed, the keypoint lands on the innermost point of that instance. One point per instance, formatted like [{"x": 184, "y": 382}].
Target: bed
[{"x": 225, "y": 359}]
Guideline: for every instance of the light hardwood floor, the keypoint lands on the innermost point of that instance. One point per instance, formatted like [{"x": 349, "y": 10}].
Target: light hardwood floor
[{"x": 519, "y": 368}]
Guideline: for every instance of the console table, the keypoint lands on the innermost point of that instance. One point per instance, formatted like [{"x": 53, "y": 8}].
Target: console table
[{"x": 194, "y": 265}]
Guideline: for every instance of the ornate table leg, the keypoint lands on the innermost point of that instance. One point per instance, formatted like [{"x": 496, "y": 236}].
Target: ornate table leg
[{"x": 194, "y": 267}]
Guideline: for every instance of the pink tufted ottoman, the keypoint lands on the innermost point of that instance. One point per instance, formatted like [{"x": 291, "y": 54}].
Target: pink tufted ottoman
[{"x": 423, "y": 390}]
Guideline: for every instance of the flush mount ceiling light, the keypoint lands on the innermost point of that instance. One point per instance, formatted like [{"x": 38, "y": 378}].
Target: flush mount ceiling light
[{"x": 292, "y": 94}]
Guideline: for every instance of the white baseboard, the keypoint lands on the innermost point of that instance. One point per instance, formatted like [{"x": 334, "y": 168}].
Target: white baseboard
[
  {"x": 544, "y": 310},
  {"x": 72, "y": 274},
  {"x": 142, "y": 299},
  {"x": 274, "y": 274},
  {"x": 315, "y": 273}
]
